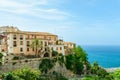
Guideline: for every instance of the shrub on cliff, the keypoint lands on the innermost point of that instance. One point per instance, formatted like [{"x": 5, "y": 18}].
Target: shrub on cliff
[
  {"x": 75, "y": 61},
  {"x": 1, "y": 55},
  {"x": 100, "y": 72},
  {"x": 46, "y": 65},
  {"x": 22, "y": 74},
  {"x": 116, "y": 74}
]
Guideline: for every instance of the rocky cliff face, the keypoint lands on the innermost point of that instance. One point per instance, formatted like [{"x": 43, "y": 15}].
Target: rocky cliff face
[{"x": 62, "y": 70}]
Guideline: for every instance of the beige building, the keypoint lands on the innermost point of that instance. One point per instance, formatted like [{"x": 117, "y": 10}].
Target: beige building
[{"x": 13, "y": 40}]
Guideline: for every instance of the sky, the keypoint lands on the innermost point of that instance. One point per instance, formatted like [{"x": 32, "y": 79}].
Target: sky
[{"x": 85, "y": 22}]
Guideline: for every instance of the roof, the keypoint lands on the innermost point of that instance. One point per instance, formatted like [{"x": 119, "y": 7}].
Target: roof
[
  {"x": 39, "y": 33},
  {"x": 32, "y": 33},
  {"x": 11, "y": 29},
  {"x": 69, "y": 43}
]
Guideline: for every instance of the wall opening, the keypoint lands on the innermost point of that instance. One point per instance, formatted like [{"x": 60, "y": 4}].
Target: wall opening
[{"x": 46, "y": 55}]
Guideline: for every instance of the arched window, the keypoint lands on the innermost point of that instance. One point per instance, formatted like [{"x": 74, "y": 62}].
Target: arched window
[{"x": 46, "y": 55}]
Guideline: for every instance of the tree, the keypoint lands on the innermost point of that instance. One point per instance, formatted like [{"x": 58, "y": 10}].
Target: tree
[
  {"x": 80, "y": 54},
  {"x": 75, "y": 61},
  {"x": 94, "y": 68},
  {"x": 36, "y": 44}
]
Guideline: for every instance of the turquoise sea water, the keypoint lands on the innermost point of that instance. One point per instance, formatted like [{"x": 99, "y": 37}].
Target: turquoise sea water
[{"x": 106, "y": 56}]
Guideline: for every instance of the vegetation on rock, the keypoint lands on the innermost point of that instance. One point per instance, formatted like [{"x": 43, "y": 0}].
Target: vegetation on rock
[
  {"x": 76, "y": 60},
  {"x": 22, "y": 74},
  {"x": 116, "y": 74},
  {"x": 1, "y": 55},
  {"x": 46, "y": 65}
]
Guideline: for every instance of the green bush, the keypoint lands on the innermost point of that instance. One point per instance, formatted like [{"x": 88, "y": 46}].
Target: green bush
[
  {"x": 61, "y": 59},
  {"x": 46, "y": 64},
  {"x": 116, "y": 74},
  {"x": 75, "y": 61},
  {"x": 91, "y": 78},
  {"x": 22, "y": 74},
  {"x": 54, "y": 53},
  {"x": 1, "y": 55}
]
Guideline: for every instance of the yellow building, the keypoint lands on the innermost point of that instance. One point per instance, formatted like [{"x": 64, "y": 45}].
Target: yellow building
[{"x": 13, "y": 40}]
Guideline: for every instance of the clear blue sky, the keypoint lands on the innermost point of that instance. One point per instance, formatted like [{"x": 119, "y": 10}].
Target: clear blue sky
[{"x": 86, "y": 22}]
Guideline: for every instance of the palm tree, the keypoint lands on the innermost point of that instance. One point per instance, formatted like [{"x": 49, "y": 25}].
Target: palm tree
[{"x": 36, "y": 44}]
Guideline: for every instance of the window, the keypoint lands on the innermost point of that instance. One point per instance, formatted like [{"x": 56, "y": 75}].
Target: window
[
  {"x": 14, "y": 43},
  {"x": 45, "y": 49},
  {"x": 21, "y": 49},
  {"x": 21, "y": 42},
  {"x": 21, "y": 37},
  {"x": 14, "y": 36},
  {"x": 45, "y": 43},
  {"x": 60, "y": 48},
  {"x": 28, "y": 43},
  {"x": 27, "y": 49},
  {"x": 3, "y": 50}
]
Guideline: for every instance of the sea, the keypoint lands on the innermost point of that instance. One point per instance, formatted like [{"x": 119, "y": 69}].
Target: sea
[{"x": 106, "y": 56}]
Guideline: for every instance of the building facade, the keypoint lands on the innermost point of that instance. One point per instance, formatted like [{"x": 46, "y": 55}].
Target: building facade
[{"x": 13, "y": 40}]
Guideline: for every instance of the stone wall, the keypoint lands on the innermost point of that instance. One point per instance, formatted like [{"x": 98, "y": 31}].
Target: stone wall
[
  {"x": 11, "y": 65},
  {"x": 17, "y": 64}
]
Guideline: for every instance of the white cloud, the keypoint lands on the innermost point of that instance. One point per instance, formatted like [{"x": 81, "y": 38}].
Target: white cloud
[{"x": 32, "y": 8}]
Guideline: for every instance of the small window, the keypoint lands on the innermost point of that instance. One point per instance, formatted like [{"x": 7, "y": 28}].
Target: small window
[
  {"x": 45, "y": 43},
  {"x": 21, "y": 49},
  {"x": 21, "y": 42},
  {"x": 27, "y": 49},
  {"x": 45, "y": 49},
  {"x": 14, "y": 43},
  {"x": 14, "y": 36},
  {"x": 60, "y": 48},
  {"x": 21, "y": 37},
  {"x": 28, "y": 43}
]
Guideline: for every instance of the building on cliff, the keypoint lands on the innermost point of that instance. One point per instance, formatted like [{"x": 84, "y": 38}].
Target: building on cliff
[{"x": 15, "y": 41}]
